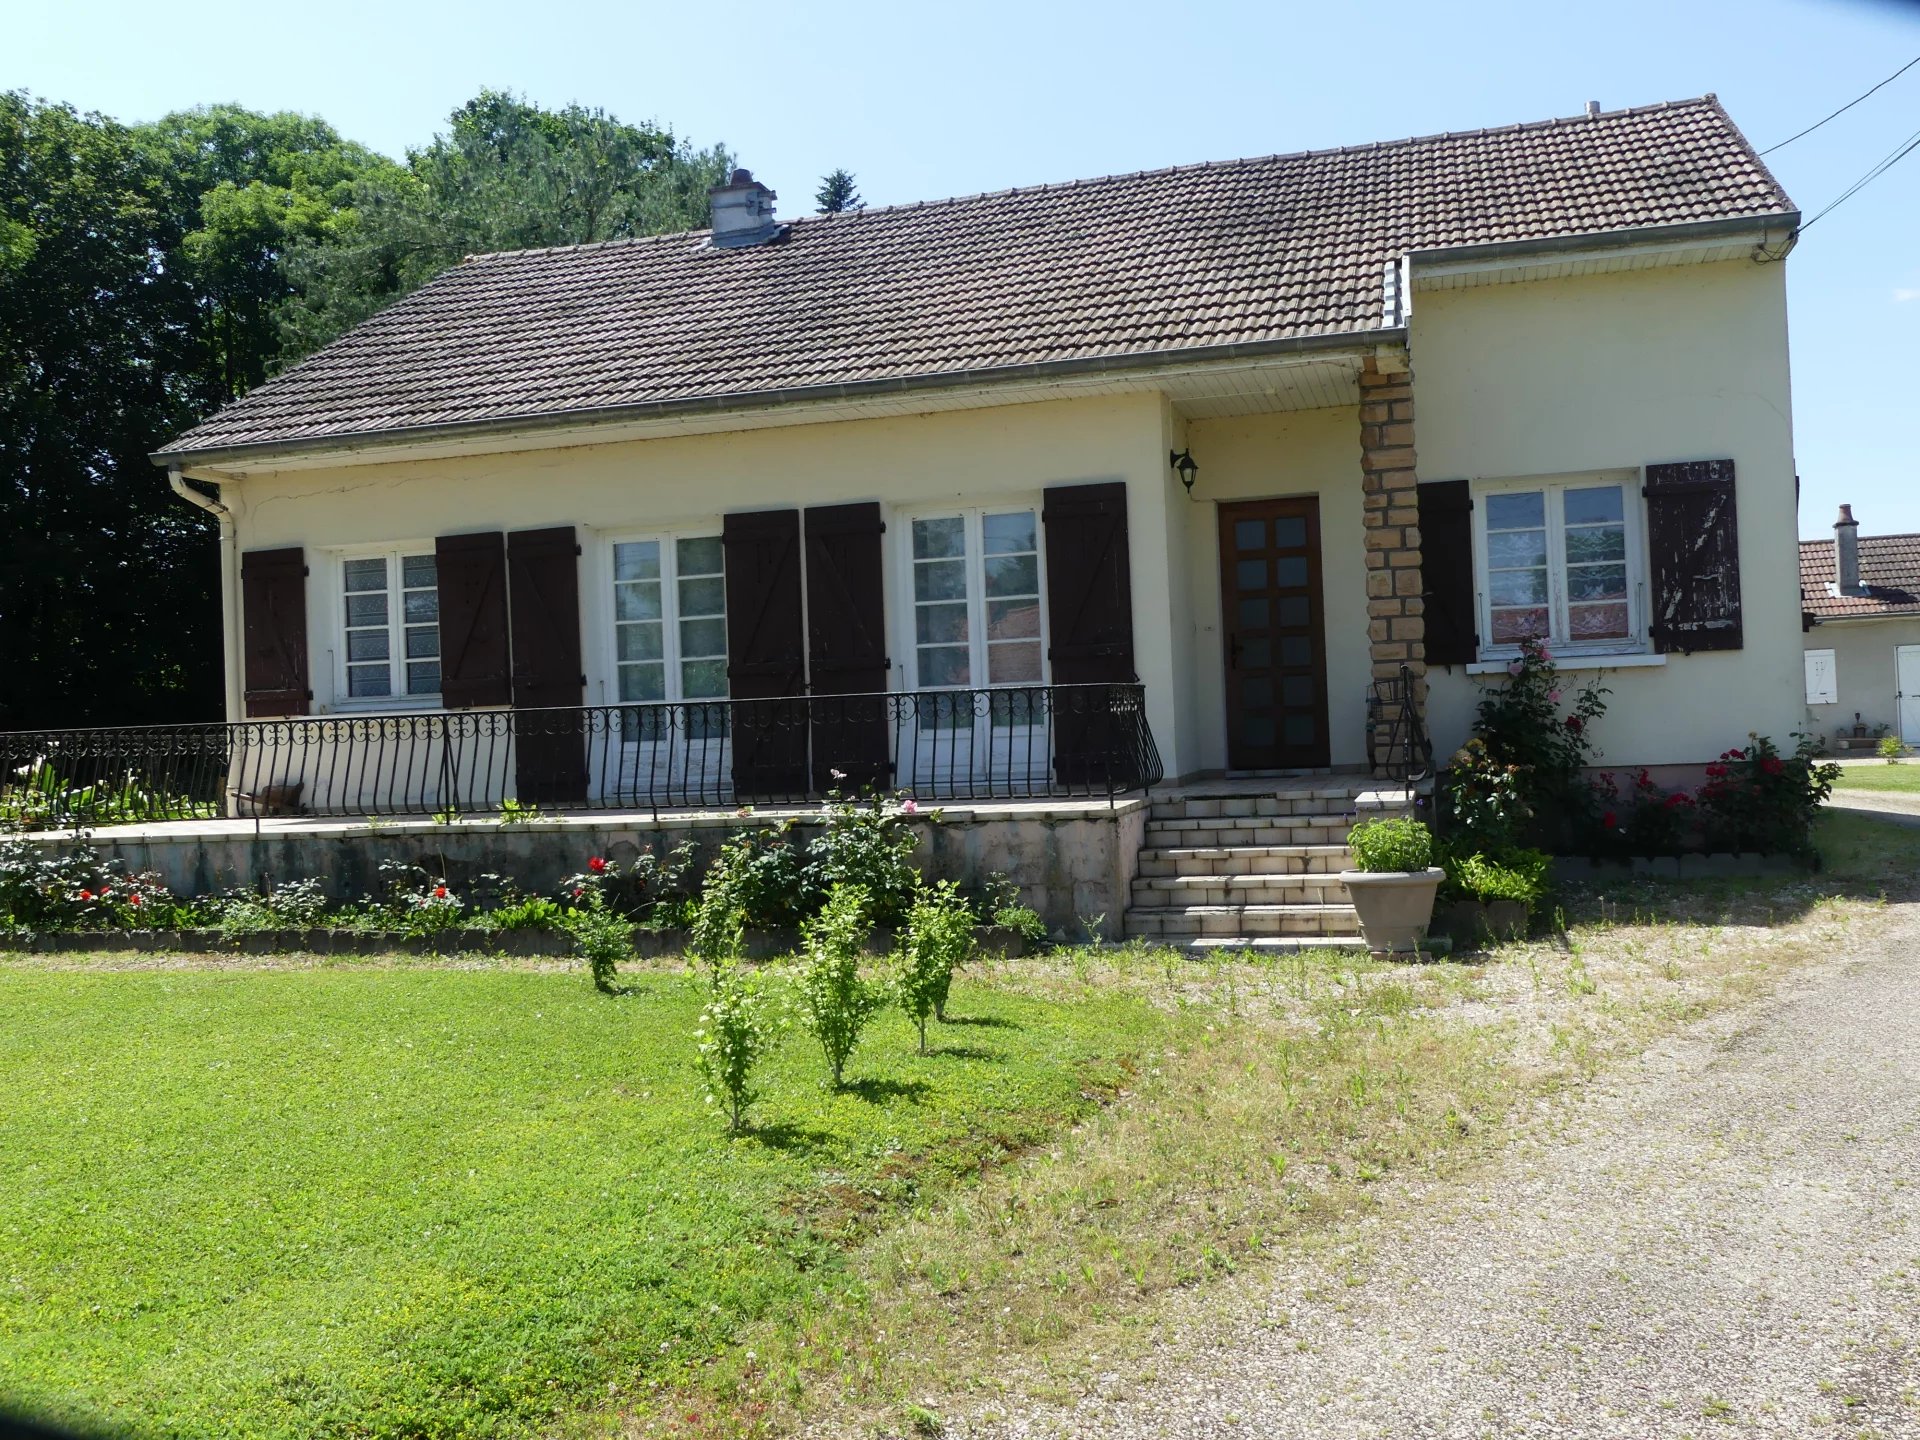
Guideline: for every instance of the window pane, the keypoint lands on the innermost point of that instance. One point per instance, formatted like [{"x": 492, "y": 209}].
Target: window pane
[
  {"x": 703, "y": 597},
  {"x": 639, "y": 642},
  {"x": 1598, "y": 622},
  {"x": 1295, "y": 612},
  {"x": 1512, "y": 626},
  {"x": 1289, "y": 532},
  {"x": 1518, "y": 587},
  {"x": 1515, "y": 549},
  {"x": 1597, "y": 582},
  {"x": 1295, "y": 651},
  {"x": 703, "y": 637},
  {"x": 419, "y": 572},
  {"x": 366, "y": 645},
  {"x": 367, "y": 609},
  {"x": 1296, "y": 691},
  {"x": 1016, "y": 664},
  {"x": 1008, "y": 534},
  {"x": 637, "y": 560},
  {"x": 940, "y": 580},
  {"x": 1519, "y": 511},
  {"x": 637, "y": 602},
  {"x": 423, "y": 678},
  {"x": 423, "y": 642},
  {"x": 703, "y": 679},
  {"x": 699, "y": 555},
  {"x": 938, "y": 539},
  {"x": 1596, "y": 542},
  {"x": 1013, "y": 575},
  {"x": 422, "y": 606},
  {"x": 940, "y": 624},
  {"x": 1290, "y": 571},
  {"x": 1594, "y": 507},
  {"x": 366, "y": 575},
  {"x": 641, "y": 683},
  {"x": 1013, "y": 619},
  {"x": 368, "y": 681},
  {"x": 945, "y": 665},
  {"x": 1250, "y": 534},
  {"x": 1254, "y": 613},
  {"x": 1250, "y": 574}
]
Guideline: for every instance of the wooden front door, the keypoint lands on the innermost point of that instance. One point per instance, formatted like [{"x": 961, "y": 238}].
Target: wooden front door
[{"x": 1275, "y": 635}]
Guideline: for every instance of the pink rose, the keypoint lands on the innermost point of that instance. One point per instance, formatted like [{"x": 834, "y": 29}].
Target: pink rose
[
  {"x": 1553, "y": 697},
  {"x": 909, "y": 808},
  {"x": 1514, "y": 667}
]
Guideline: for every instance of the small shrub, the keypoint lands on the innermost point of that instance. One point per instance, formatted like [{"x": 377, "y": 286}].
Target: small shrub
[
  {"x": 735, "y": 1033},
  {"x": 1890, "y": 749},
  {"x": 835, "y": 1003},
  {"x": 601, "y": 938},
  {"x": 293, "y": 905},
  {"x": 866, "y": 845},
  {"x": 767, "y": 877},
  {"x": 1026, "y": 922},
  {"x": 636, "y": 889},
  {"x": 1519, "y": 875},
  {"x": 529, "y": 912},
  {"x": 1523, "y": 726},
  {"x": 938, "y": 939},
  {"x": 1756, "y": 798},
  {"x": 1400, "y": 843},
  {"x": 72, "y": 889},
  {"x": 1485, "y": 804}
]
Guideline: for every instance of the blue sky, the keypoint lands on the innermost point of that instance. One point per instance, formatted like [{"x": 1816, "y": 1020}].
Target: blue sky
[{"x": 923, "y": 101}]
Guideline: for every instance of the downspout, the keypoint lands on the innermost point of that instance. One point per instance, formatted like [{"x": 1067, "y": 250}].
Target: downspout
[{"x": 229, "y": 587}]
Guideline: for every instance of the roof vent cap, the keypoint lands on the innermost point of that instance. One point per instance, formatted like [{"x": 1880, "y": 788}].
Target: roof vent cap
[
  {"x": 1593, "y": 107},
  {"x": 743, "y": 213}
]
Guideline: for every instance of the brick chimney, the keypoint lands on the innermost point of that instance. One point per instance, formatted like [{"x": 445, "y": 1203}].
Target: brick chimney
[
  {"x": 1846, "y": 554},
  {"x": 743, "y": 213}
]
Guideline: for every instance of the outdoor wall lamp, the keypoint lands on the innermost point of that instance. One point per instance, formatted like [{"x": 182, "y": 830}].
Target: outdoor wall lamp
[{"x": 1186, "y": 467}]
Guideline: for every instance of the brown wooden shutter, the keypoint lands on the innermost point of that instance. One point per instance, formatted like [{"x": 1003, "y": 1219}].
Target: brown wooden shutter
[
  {"x": 273, "y": 608},
  {"x": 1693, "y": 543},
  {"x": 1089, "y": 628},
  {"x": 474, "y": 668},
  {"x": 847, "y": 646},
  {"x": 1446, "y": 565},
  {"x": 766, "y": 664},
  {"x": 543, "y": 591}
]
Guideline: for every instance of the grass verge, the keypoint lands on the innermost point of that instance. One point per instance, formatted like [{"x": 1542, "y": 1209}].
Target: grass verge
[{"x": 1901, "y": 778}]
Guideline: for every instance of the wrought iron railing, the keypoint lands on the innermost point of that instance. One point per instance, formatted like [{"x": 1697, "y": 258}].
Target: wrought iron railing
[
  {"x": 1397, "y": 740},
  {"x": 1065, "y": 741}
]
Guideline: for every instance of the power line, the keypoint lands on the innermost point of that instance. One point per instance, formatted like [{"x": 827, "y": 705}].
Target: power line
[
  {"x": 1905, "y": 148},
  {"x": 1843, "y": 109}
]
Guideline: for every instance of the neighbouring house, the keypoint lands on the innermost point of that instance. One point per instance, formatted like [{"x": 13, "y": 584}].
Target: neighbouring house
[
  {"x": 1225, "y": 470},
  {"x": 1861, "y": 599}
]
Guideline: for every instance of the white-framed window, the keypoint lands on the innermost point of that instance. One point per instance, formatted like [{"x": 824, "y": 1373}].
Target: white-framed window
[
  {"x": 1823, "y": 678},
  {"x": 390, "y": 626},
  {"x": 669, "y": 618},
  {"x": 1561, "y": 560},
  {"x": 974, "y": 592}
]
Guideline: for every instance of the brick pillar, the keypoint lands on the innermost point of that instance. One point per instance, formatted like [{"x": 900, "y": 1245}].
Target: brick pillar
[{"x": 1396, "y": 623}]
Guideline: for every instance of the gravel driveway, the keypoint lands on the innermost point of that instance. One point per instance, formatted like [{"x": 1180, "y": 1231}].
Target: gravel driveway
[{"x": 1722, "y": 1240}]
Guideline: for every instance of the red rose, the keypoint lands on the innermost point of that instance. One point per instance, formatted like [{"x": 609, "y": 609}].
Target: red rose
[
  {"x": 86, "y": 894},
  {"x": 597, "y": 865},
  {"x": 578, "y": 891},
  {"x": 1715, "y": 772},
  {"x": 133, "y": 900},
  {"x": 1608, "y": 820},
  {"x": 1575, "y": 724},
  {"x": 1772, "y": 765}
]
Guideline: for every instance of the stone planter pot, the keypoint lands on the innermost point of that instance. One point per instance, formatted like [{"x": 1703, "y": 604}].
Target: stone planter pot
[
  {"x": 1394, "y": 906},
  {"x": 1507, "y": 919}
]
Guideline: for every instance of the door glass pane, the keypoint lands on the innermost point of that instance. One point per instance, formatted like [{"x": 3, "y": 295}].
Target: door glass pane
[
  {"x": 423, "y": 642},
  {"x": 643, "y": 640},
  {"x": 940, "y": 580},
  {"x": 1250, "y": 534},
  {"x": 366, "y": 644},
  {"x": 940, "y": 624},
  {"x": 419, "y": 572},
  {"x": 639, "y": 601},
  {"x": 707, "y": 596},
  {"x": 637, "y": 560},
  {"x": 1300, "y": 730},
  {"x": 366, "y": 575},
  {"x": 1295, "y": 612},
  {"x": 1250, "y": 574},
  {"x": 702, "y": 638},
  {"x": 1008, "y": 534},
  {"x": 1296, "y": 651},
  {"x": 939, "y": 539},
  {"x": 1289, "y": 532},
  {"x": 1253, "y": 614},
  {"x": 700, "y": 555},
  {"x": 703, "y": 679},
  {"x": 1296, "y": 691},
  {"x": 1290, "y": 571},
  {"x": 1013, "y": 619},
  {"x": 1009, "y": 575},
  {"x": 1257, "y": 691},
  {"x": 642, "y": 683},
  {"x": 423, "y": 678},
  {"x": 1017, "y": 663},
  {"x": 943, "y": 666},
  {"x": 422, "y": 606},
  {"x": 369, "y": 681},
  {"x": 1257, "y": 730},
  {"x": 1256, "y": 654},
  {"x": 367, "y": 609}
]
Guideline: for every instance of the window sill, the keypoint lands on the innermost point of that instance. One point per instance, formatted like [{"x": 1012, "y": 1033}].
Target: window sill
[
  {"x": 1638, "y": 660},
  {"x": 387, "y": 705}
]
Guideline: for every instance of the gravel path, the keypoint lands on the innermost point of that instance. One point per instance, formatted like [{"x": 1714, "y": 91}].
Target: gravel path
[
  {"x": 1723, "y": 1241},
  {"x": 1895, "y": 805}
]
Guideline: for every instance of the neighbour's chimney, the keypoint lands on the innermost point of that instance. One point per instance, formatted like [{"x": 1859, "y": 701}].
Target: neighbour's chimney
[
  {"x": 1593, "y": 107},
  {"x": 1846, "y": 554},
  {"x": 743, "y": 213}
]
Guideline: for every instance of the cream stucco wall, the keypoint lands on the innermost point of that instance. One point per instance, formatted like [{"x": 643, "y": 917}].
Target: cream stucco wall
[
  {"x": 1615, "y": 371},
  {"x": 1864, "y": 661},
  {"x": 978, "y": 457},
  {"x": 1257, "y": 457}
]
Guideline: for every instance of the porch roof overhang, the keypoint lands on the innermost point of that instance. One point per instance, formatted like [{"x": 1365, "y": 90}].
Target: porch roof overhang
[{"x": 1293, "y": 373}]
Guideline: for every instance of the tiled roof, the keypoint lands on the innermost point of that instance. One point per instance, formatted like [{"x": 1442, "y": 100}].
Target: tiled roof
[
  {"x": 1889, "y": 568},
  {"x": 1156, "y": 263}
]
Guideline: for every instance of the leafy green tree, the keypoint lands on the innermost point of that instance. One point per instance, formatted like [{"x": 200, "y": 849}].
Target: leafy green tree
[
  {"x": 837, "y": 192},
  {"x": 505, "y": 175}
]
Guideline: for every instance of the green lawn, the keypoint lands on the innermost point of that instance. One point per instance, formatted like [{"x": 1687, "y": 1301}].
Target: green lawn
[
  {"x": 341, "y": 1201},
  {"x": 1879, "y": 777}
]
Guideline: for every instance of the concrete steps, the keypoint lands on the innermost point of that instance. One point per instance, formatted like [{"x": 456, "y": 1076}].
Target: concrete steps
[{"x": 1238, "y": 868}]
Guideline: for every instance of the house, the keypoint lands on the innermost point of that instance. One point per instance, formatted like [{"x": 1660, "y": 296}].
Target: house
[
  {"x": 1861, "y": 598},
  {"x": 1233, "y": 469}
]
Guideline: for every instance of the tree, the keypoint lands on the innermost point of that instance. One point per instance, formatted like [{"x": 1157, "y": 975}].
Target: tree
[
  {"x": 505, "y": 175},
  {"x": 837, "y": 193}
]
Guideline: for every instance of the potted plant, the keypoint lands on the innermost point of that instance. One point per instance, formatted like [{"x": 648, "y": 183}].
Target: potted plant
[{"x": 1394, "y": 883}]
